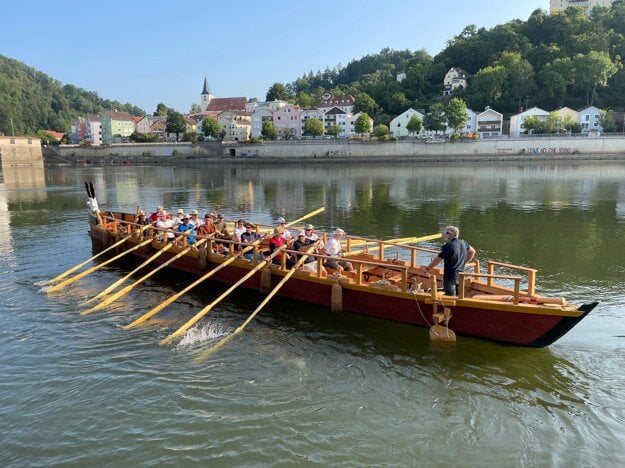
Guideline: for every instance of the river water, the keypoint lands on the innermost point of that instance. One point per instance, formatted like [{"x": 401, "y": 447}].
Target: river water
[{"x": 304, "y": 386}]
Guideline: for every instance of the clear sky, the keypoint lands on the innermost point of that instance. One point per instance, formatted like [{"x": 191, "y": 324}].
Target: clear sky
[{"x": 146, "y": 52}]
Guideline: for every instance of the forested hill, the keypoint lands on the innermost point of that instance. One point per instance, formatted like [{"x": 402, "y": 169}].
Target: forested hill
[
  {"x": 550, "y": 61},
  {"x": 34, "y": 101}
]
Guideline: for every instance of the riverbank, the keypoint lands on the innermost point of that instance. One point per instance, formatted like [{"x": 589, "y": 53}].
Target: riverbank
[{"x": 341, "y": 151}]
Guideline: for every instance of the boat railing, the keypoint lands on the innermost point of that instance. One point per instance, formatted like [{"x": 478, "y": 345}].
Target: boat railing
[
  {"x": 531, "y": 273},
  {"x": 516, "y": 293}
]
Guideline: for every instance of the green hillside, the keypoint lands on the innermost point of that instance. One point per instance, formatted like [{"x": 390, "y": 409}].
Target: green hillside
[
  {"x": 33, "y": 101},
  {"x": 565, "y": 59}
]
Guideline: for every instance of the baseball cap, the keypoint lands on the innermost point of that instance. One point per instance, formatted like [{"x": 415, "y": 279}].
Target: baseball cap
[{"x": 281, "y": 220}]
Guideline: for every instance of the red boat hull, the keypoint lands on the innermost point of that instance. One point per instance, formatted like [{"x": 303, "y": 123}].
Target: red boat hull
[{"x": 517, "y": 325}]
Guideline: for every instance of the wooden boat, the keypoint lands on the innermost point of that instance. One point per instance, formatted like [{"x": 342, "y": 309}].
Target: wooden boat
[{"x": 490, "y": 306}]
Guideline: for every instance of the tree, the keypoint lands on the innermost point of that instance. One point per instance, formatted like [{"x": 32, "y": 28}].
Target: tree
[
  {"x": 414, "y": 125},
  {"x": 593, "y": 70},
  {"x": 269, "y": 130},
  {"x": 489, "y": 82},
  {"x": 364, "y": 103},
  {"x": 278, "y": 92},
  {"x": 305, "y": 100},
  {"x": 334, "y": 130},
  {"x": 313, "y": 127},
  {"x": 286, "y": 134},
  {"x": 161, "y": 109},
  {"x": 381, "y": 132},
  {"x": 435, "y": 119},
  {"x": 175, "y": 123},
  {"x": 607, "y": 121},
  {"x": 195, "y": 108},
  {"x": 363, "y": 124},
  {"x": 457, "y": 115},
  {"x": 210, "y": 127},
  {"x": 531, "y": 123}
]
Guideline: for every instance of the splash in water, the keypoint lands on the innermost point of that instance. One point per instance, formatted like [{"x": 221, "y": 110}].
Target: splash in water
[{"x": 207, "y": 332}]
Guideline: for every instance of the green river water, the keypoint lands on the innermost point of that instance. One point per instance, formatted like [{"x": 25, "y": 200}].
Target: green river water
[{"x": 303, "y": 386}]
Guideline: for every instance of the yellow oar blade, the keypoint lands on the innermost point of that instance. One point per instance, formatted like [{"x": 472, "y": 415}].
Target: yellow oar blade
[
  {"x": 130, "y": 287},
  {"x": 275, "y": 290},
  {"x": 176, "y": 296},
  {"x": 80, "y": 265},
  {"x": 210, "y": 306},
  {"x": 306, "y": 216},
  {"x": 75, "y": 278},
  {"x": 393, "y": 242},
  {"x": 120, "y": 281}
]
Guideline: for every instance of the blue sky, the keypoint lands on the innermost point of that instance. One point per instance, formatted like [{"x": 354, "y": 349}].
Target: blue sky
[{"x": 146, "y": 52}]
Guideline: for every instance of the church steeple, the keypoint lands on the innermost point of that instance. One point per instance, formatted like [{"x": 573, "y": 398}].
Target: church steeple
[
  {"x": 206, "y": 89},
  {"x": 206, "y": 97}
]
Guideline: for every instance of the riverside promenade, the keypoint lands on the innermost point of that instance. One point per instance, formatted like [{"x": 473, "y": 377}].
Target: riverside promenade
[{"x": 341, "y": 150}]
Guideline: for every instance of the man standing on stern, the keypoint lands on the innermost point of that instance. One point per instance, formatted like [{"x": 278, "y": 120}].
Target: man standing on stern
[{"x": 455, "y": 253}]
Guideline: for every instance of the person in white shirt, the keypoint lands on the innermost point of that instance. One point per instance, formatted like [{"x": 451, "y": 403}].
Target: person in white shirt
[
  {"x": 195, "y": 219},
  {"x": 309, "y": 233},
  {"x": 164, "y": 222},
  {"x": 332, "y": 248},
  {"x": 178, "y": 218},
  {"x": 239, "y": 228}
]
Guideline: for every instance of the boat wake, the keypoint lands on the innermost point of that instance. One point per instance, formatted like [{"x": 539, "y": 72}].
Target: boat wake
[{"x": 204, "y": 333}]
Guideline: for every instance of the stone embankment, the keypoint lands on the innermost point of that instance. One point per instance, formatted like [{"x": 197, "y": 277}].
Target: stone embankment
[{"x": 411, "y": 150}]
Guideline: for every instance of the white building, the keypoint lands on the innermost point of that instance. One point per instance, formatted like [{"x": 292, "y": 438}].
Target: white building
[
  {"x": 454, "y": 79},
  {"x": 259, "y": 117},
  {"x": 589, "y": 119},
  {"x": 271, "y": 105},
  {"x": 398, "y": 124},
  {"x": 517, "y": 120},
  {"x": 345, "y": 103},
  {"x": 559, "y": 5},
  {"x": 309, "y": 114},
  {"x": 489, "y": 123}
]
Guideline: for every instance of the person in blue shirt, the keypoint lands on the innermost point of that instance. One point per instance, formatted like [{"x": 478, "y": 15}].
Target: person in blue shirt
[
  {"x": 185, "y": 226},
  {"x": 456, "y": 253}
]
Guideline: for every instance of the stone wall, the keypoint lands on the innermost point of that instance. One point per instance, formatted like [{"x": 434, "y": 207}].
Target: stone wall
[
  {"x": 20, "y": 151},
  {"x": 428, "y": 149},
  {"x": 417, "y": 150}
]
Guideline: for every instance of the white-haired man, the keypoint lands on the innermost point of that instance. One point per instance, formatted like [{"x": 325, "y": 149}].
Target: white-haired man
[
  {"x": 332, "y": 248},
  {"x": 456, "y": 253}
]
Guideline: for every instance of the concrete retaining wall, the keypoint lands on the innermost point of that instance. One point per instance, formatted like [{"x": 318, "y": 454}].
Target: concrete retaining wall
[
  {"x": 418, "y": 150},
  {"x": 20, "y": 151}
]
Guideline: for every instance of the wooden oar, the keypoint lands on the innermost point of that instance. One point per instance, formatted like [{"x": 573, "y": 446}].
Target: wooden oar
[
  {"x": 80, "y": 265},
  {"x": 394, "y": 242},
  {"x": 176, "y": 296},
  {"x": 130, "y": 287},
  {"x": 306, "y": 216},
  {"x": 227, "y": 338},
  {"x": 75, "y": 278},
  {"x": 113, "y": 286},
  {"x": 210, "y": 306}
]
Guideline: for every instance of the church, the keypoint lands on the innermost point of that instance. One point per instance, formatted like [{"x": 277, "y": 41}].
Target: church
[{"x": 209, "y": 103}]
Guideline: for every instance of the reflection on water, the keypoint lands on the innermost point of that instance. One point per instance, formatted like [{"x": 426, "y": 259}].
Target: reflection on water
[{"x": 302, "y": 385}]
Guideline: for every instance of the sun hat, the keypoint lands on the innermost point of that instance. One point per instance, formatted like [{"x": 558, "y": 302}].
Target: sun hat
[
  {"x": 338, "y": 231},
  {"x": 180, "y": 211},
  {"x": 310, "y": 227},
  {"x": 193, "y": 212}
]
